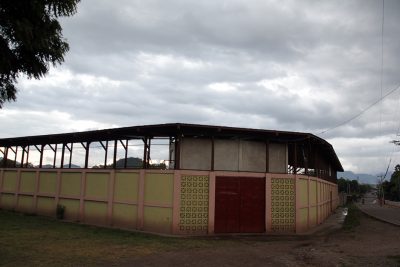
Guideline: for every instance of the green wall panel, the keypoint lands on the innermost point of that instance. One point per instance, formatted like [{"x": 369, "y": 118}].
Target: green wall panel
[
  {"x": 25, "y": 203},
  {"x": 48, "y": 182},
  {"x": 71, "y": 212},
  {"x": 7, "y": 201},
  {"x": 96, "y": 212},
  {"x": 71, "y": 184},
  {"x": 46, "y": 206},
  {"x": 126, "y": 187},
  {"x": 97, "y": 185},
  {"x": 159, "y": 188},
  {"x": 10, "y": 181},
  {"x": 303, "y": 192},
  {"x": 125, "y": 215},
  {"x": 157, "y": 219},
  {"x": 28, "y": 182}
]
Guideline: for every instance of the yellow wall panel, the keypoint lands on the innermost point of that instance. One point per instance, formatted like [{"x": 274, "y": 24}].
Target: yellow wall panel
[
  {"x": 159, "y": 188},
  {"x": 28, "y": 182},
  {"x": 303, "y": 192},
  {"x": 71, "y": 212},
  {"x": 126, "y": 186},
  {"x": 125, "y": 215},
  {"x": 96, "y": 212},
  {"x": 313, "y": 192},
  {"x": 303, "y": 217},
  {"x": 71, "y": 183},
  {"x": 48, "y": 182},
  {"x": 46, "y": 206},
  {"x": 25, "y": 203},
  {"x": 157, "y": 219},
  {"x": 326, "y": 193},
  {"x": 97, "y": 185},
  {"x": 319, "y": 191},
  {"x": 7, "y": 201},
  {"x": 313, "y": 216},
  {"x": 10, "y": 181}
]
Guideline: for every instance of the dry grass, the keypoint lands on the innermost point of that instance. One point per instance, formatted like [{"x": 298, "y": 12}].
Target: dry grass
[
  {"x": 46, "y": 242},
  {"x": 352, "y": 219}
]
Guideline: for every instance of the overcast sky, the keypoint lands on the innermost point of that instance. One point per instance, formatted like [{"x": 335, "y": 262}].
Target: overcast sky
[{"x": 281, "y": 65}]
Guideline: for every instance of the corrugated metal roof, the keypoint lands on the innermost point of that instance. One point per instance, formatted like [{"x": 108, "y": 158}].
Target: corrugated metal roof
[{"x": 173, "y": 130}]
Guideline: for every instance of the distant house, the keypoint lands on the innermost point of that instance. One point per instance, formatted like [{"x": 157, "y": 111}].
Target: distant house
[{"x": 214, "y": 179}]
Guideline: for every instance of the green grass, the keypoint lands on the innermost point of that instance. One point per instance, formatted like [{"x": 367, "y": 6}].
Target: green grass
[
  {"x": 42, "y": 241},
  {"x": 352, "y": 219}
]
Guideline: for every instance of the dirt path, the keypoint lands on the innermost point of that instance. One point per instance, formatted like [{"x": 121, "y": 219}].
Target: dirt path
[{"x": 372, "y": 243}]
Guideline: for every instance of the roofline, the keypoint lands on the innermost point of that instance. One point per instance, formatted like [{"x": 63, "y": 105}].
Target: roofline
[{"x": 165, "y": 130}]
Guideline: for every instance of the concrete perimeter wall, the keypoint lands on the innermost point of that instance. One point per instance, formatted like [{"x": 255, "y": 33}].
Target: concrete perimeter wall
[
  {"x": 124, "y": 199},
  {"x": 178, "y": 202}
]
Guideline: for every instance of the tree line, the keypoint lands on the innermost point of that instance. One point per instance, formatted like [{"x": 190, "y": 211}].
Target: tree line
[
  {"x": 131, "y": 162},
  {"x": 352, "y": 187},
  {"x": 391, "y": 189}
]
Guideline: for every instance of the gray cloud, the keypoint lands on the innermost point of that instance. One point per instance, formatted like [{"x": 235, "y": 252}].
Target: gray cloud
[{"x": 288, "y": 65}]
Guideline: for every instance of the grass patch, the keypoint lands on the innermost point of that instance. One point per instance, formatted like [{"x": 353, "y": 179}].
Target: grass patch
[
  {"x": 47, "y": 242},
  {"x": 352, "y": 219},
  {"x": 395, "y": 258}
]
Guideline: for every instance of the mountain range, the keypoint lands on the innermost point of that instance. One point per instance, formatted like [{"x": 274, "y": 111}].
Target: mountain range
[{"x": 362, "y": 178}]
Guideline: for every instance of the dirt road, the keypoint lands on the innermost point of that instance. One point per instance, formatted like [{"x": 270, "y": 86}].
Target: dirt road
[{"x": 372, "y": 243}]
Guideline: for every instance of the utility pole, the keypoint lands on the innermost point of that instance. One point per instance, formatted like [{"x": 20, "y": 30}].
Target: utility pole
[
  {"x": 380, "y": 179},
  {"x": 395, "y": 142}
]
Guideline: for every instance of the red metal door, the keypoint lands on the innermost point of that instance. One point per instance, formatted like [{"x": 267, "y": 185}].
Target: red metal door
[
  {"x": 227, "y": 203},
  {"x": 252, "y": 209},
  {"x": 239, "y": 205}
]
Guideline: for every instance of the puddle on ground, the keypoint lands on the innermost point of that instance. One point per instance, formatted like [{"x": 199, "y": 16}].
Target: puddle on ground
[{"x": 344, "y": 211}]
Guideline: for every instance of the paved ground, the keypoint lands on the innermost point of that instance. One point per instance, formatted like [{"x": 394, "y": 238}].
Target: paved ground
[{"x": 385, "y": 213}]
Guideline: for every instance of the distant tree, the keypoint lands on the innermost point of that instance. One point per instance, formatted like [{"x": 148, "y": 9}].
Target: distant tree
[
  {"x": 352, "y": 187},
  {"x": 132, "y": 162},
  {"x": 395, "y": 184},
  {"x": 11, "y": 164},
  {"x": 364, "y": 188},
  {"x": 160, "y": 166},
  {"x": 391, "y": 189},
  {"x": 30, "y": 40},
  {"x": 342, "y": 184}
]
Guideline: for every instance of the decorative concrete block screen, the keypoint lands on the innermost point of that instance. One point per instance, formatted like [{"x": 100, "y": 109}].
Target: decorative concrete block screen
[
  {"x": 283, "y": 202},
  {"x": 193, "y": 214}
]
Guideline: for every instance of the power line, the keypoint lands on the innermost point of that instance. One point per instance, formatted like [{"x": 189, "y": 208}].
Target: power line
[
  {"x": 381, "y": 82},
  {"x": 362, "y": 112}
]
